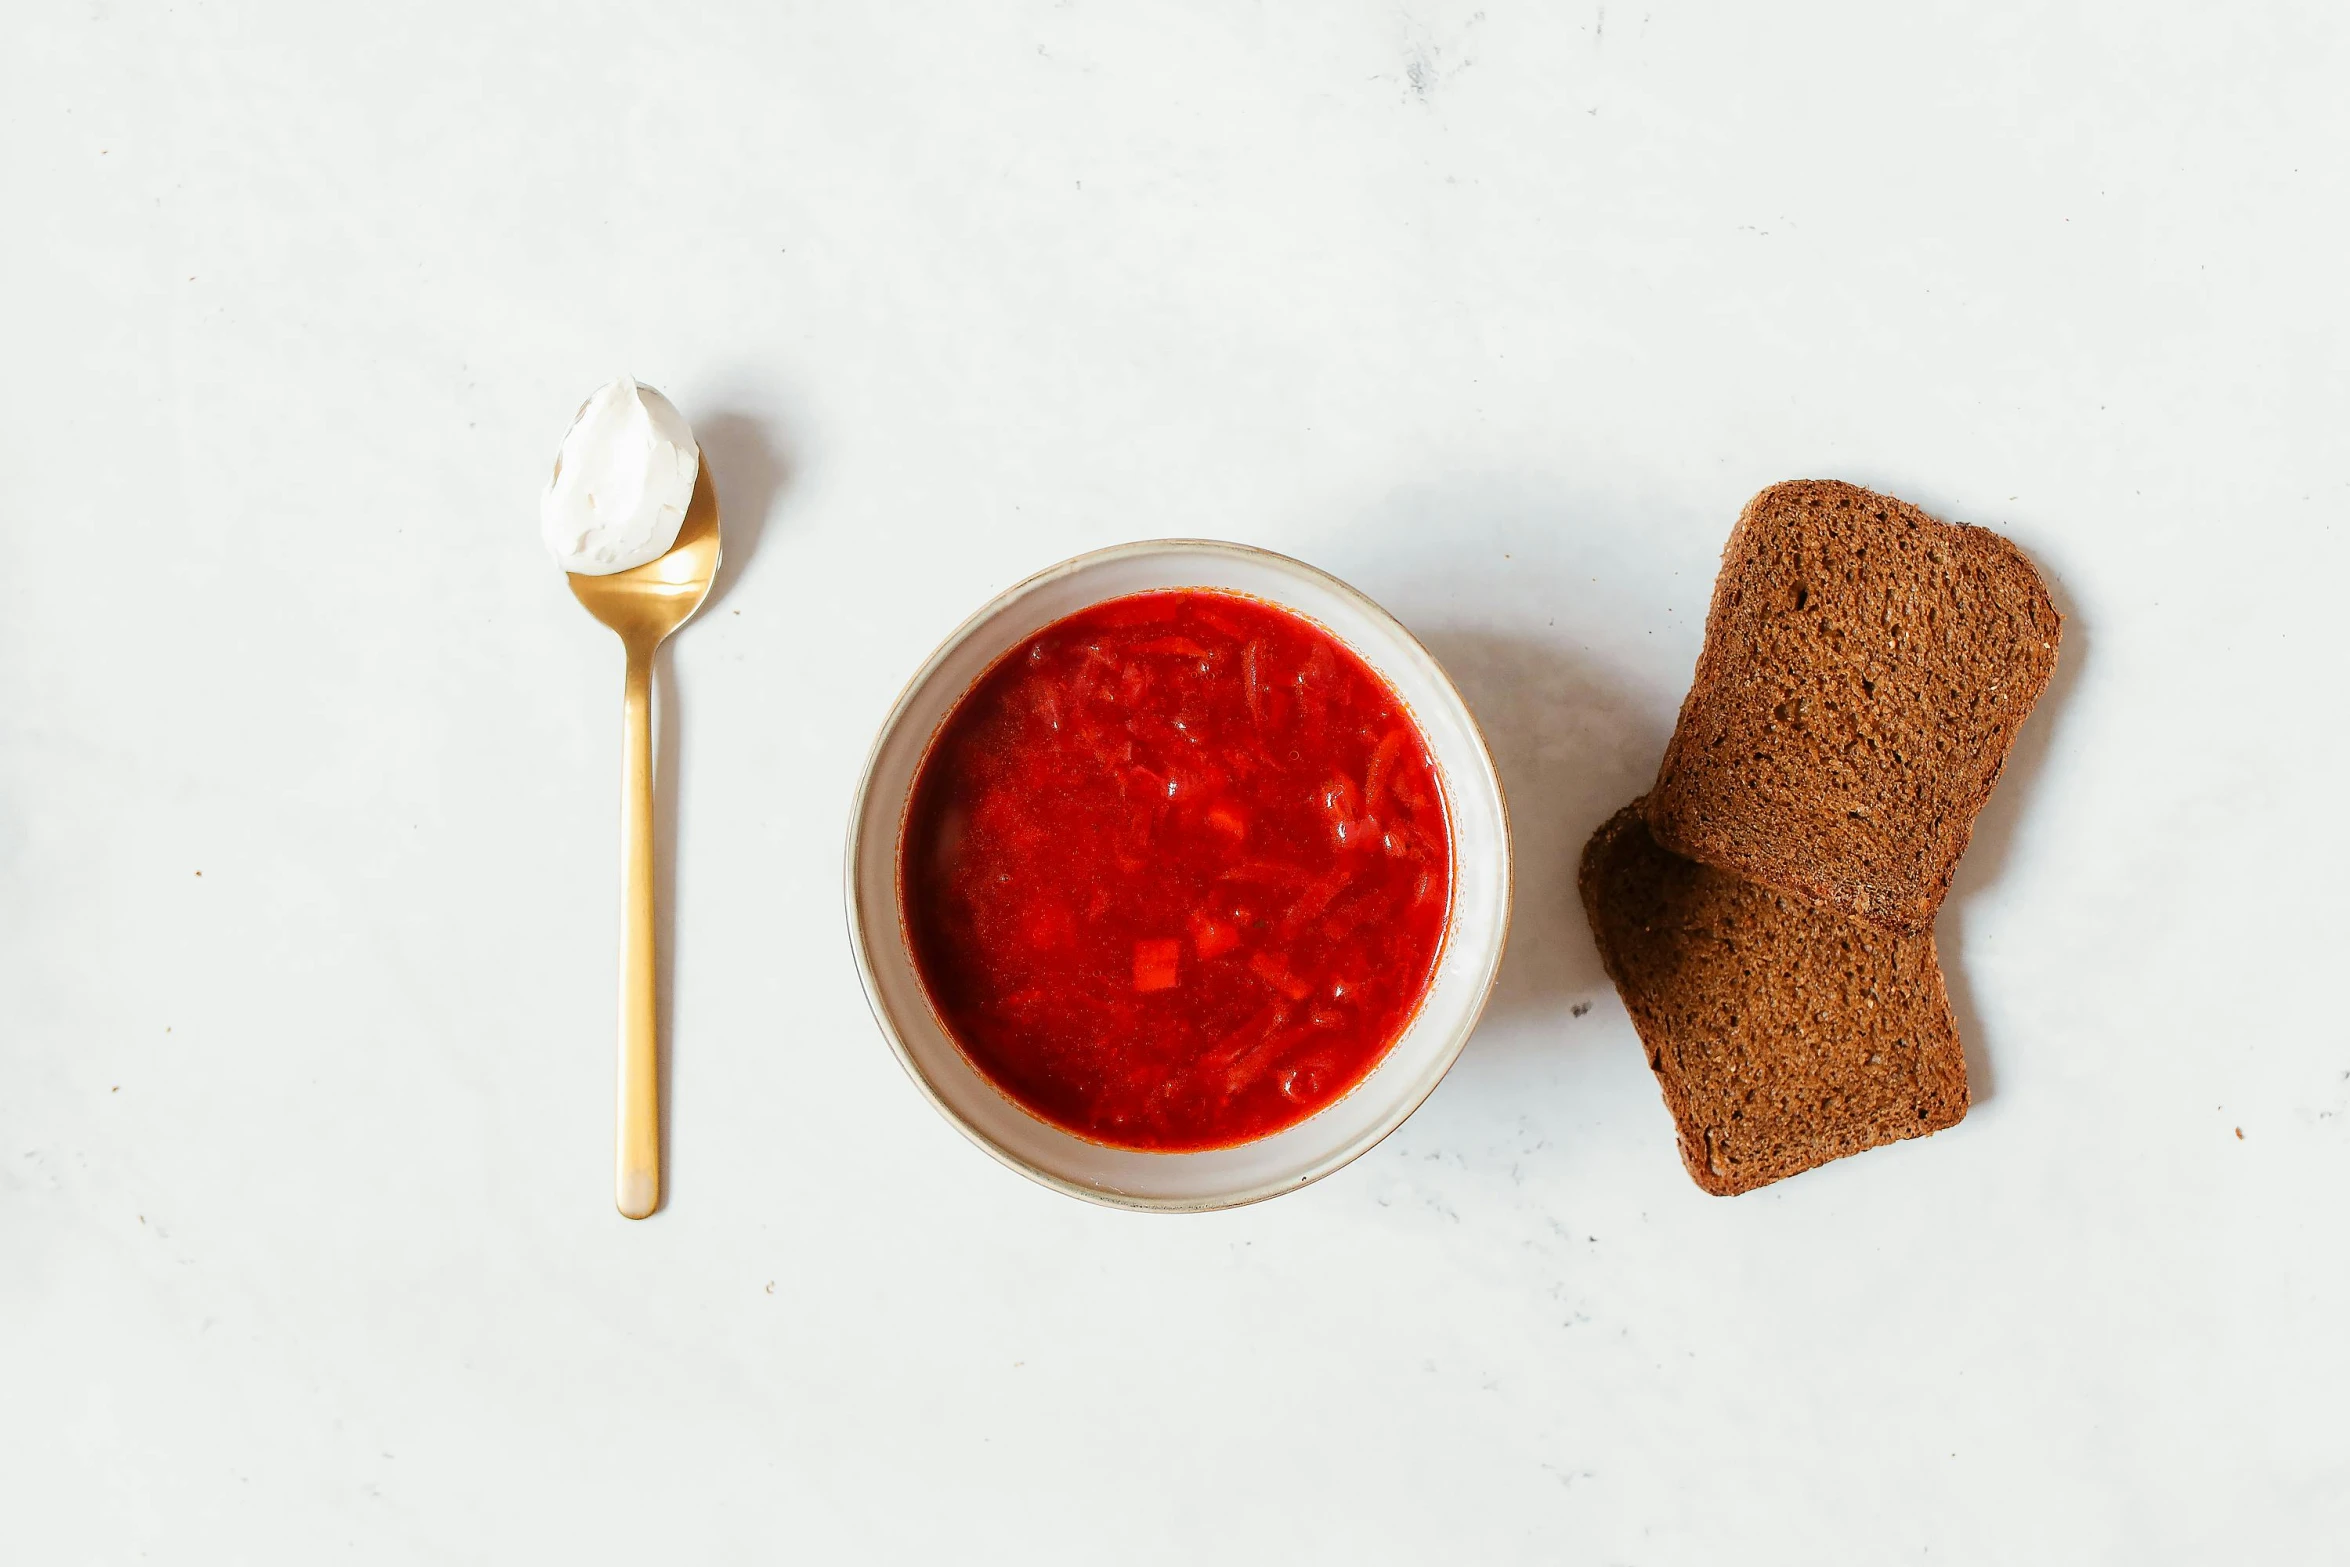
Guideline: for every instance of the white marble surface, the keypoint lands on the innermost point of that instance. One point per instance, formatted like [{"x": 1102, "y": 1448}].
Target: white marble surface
[{"x": 1499, "y": 310}]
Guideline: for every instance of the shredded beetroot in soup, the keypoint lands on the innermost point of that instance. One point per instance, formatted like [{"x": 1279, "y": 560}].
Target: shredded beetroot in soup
[{"x": 1176, "y": 871}]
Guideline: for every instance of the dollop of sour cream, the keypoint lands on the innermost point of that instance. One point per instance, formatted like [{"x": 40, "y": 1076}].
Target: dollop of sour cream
[{"x": 622, "y": 481}]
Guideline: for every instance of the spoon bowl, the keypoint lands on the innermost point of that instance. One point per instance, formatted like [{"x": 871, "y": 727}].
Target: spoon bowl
[
  {"x": 644, "y": 605},
  {"x": 654, "y": 599}
]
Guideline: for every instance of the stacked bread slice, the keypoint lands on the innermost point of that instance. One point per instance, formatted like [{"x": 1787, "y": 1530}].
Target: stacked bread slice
[{"x": 1767, "y": 909}]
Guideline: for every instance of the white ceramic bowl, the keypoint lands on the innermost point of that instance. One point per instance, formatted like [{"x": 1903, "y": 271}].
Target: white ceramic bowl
[{"x": 1477, "y": 926}]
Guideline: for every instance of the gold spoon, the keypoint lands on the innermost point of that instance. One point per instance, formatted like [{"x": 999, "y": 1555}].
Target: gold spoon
[{"x": 645, "y": 604}]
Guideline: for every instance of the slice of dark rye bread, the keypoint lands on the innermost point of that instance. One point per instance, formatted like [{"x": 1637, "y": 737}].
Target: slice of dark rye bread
[
  {"x": 1783, "y": 1035},
  {"x": 1866, "y": 668}
]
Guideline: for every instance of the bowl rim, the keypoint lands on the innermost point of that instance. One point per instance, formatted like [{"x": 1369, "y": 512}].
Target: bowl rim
[{"x": 855, "y": 911}]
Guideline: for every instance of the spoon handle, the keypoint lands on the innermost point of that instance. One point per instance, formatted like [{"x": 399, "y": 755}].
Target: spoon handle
[{"x": 637, "y": 1182}]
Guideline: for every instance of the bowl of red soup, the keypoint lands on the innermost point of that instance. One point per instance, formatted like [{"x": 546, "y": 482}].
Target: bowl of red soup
[{"x": 1179, "y": 875}]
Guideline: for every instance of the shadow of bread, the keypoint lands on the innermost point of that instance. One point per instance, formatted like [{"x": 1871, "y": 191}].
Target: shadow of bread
[{"x": 1993, "y": 843}]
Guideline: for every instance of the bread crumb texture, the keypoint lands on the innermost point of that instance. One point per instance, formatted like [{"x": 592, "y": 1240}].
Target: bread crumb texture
[
  {"x": 1865, "y": 671},
  {"x": 1782, "y": 1035}
]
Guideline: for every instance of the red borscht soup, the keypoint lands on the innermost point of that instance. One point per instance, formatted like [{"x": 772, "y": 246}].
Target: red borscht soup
[{"x": 1176, "y": 871}]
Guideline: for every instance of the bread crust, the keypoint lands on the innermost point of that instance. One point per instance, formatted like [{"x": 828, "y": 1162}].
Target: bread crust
[
  {"x": 1782, "y": 1035},
  {"x": 1865, "y": 672}
]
